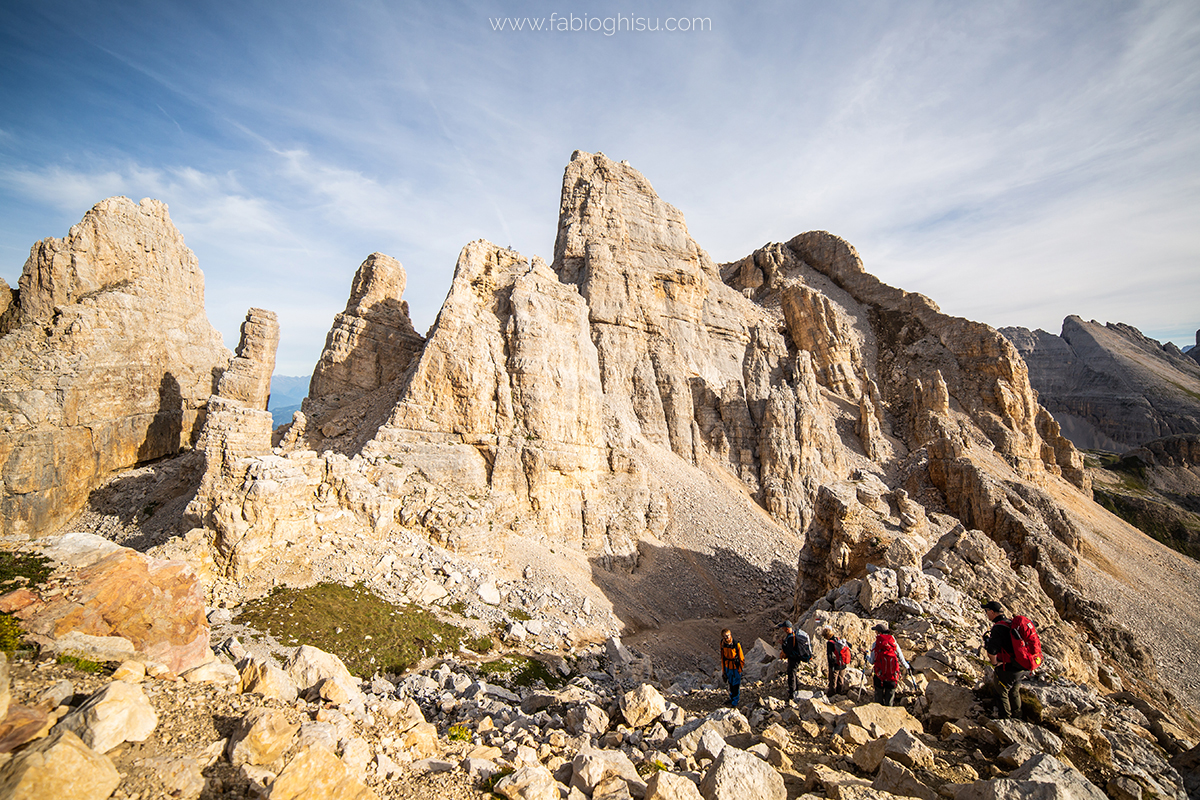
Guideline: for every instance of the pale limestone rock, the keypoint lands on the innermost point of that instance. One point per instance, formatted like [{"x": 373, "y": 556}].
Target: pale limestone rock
[
  {"x": 898, "y": 779},
  {"x": 738, "y": 774},
  {"x": 948, "y": 703},
  {"x": 248, "y": 378},
  {"x": 905, "y": 748},
  {"x": 120, "y": 712},
  {"x": 642, "y": 705},
  {"x": 129, "y": 671},
  {"x": 182, "y": 778},
  {"x": 669, "y": 786},
  {"x": 262, "y": 736},
  {"x": 213, "y": 672},
  {"x": 373, "y": 341},
  {"x": 883, "y": 720},
  {"x": 592, "y": 767},
  {"x": 1040, "y": 776},
  {"x": 587, "y": 719},
  {"x": 317, "y": 772},
  {"x": 107, "y": 360},
  {"x": 158, "y": 606},
  {"x": 261, "y": 677},
  {"x": 310, "y": 666},
  {"x": 528, "y": 783},
  {"x": 60, "y": 765},
  {"x": 421, "y": 740},
  {"x": 357, "y": 754}
]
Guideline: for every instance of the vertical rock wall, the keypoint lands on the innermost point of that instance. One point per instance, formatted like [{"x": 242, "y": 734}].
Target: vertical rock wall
[{"x": 106, "y": 360}]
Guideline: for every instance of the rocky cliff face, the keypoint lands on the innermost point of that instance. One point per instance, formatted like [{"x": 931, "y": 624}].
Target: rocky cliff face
[
  {"x": 107, "y": 359},
  {"x": 685, "y": 437},
  {"x": 1110, "y": 387}
]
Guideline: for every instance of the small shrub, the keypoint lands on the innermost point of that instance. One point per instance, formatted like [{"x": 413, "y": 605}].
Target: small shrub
[
  {"x": 459, "y": 733},
  {"x": 520, "y": 614},
  {"x": 490, "y": 783},
  {"x": 12, "y": 638},
  {"x": 81, "y": 664}
]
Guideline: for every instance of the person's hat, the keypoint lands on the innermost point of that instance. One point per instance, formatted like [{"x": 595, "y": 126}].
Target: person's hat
[
  {"x": 882, "y": 628},
  {"x": 785, "y": 624},
  {"x": 992, "y": 605}
]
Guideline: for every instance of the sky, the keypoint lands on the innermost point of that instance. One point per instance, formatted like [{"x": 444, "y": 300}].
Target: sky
[{"x": 1015, "y": 161}]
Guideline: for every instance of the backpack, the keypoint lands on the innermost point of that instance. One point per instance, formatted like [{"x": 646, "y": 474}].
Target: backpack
[
  {"x": 887, "y": 662},
  {"x": 1027, "y": 647},
  {"x": 797, "y": 647},
  {"x": 843, "y": 652}
]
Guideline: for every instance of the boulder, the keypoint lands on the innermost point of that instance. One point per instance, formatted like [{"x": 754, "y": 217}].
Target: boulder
[
  {"x": 592, "y": 767},
  {"x": 1042, "y": 776},
  {"x": 213, "y": 672},
  {"x": 316, "y": 772},
  {"x": 642, "y": 705},
  {"x": 60, "y": 765},
  {"x": 261, "y": 677},
  {"x": 869, "y": 756},
  {"x": 158, "y": 606},
  {"x": 528, "y": 783},
  {"x": 737, "y": 774},
  {"x": 905, "y": 748},
  {"x": 20, "y": 725},
  {"x": 946, "y": 702},
  {"x": 587, "y": 719},
  {"x": 612, "y": 788},
  {"x": 669, "y": 786},
  {"x": 725, "y": 721},
  {"x": 120, "y": 712},
  {"x": 421, "y": 740},
  {"x": 898, "y": 779},
  {"x": 5, "y": 688},
  {"x": 710, "y": 746},
  {"x": 1014, "y": 731},
  {"x": 310, "y": 667},
  {"x": 261, "y": 737},
  {"x": 881, "y": 720}
]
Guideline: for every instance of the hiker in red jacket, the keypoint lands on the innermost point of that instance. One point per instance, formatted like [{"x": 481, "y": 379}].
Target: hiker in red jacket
[
  {"x": 1010, "y": 666},
  {"x": 885, "y": 655}
]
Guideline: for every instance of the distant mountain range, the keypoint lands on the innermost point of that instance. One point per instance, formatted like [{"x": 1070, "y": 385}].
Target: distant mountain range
[
  {"x": 287, "y": 392},
  {"x": 1109, "y": 386}
]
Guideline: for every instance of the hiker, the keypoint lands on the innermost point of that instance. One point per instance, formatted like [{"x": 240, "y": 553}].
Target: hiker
[
  {"x": 732, "y": 664},
  {"x": 797, "y": 649},
  {"x": 887, "y": 659},
  {"x": 837, "y": 655},
  {"x": 1015, "y": 651}
]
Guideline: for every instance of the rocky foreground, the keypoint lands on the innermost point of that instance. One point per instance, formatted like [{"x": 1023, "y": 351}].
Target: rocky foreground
[{"x": 238, "y": 723}]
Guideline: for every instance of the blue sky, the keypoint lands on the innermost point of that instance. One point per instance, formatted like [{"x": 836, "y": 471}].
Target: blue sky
[{"x": 1015, "y": 161}]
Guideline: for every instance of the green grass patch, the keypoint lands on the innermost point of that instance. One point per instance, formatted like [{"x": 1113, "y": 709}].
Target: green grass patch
[
  {"x": 481, "y": 644},
  {"x": 459, "y": 732},
  {"x": 369, "y": 634},
  {"x": 458, "y": 607},
  {"x": 520, "y": 614},
  {"x": 490, "y": 783},
  {"x": 22, "y": 569},
  {"x": 522, "y": 671},
  {"x": 82, "y": 664}
]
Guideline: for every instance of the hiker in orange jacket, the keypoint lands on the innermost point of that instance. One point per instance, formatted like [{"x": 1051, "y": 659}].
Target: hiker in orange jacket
[{"x": 732, "y": 664}]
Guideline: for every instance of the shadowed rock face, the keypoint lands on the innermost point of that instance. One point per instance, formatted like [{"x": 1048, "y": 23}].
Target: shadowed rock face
[
  {"x": 107, "y": 359},
  {"x": 1110, "y": 387}
]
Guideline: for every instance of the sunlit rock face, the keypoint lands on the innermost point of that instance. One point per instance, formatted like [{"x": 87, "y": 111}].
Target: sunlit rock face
[{"x": 107, "y": 359}]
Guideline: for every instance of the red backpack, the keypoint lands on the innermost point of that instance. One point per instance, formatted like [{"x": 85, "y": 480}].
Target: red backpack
[
  {"x": 1027, "y": 647},
  {"x": 843, "y": 652},
  {"x": 887, "y": 663}
]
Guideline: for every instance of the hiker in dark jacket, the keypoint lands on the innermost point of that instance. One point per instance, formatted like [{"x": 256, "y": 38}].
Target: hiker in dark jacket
[
  {"x": 837, "y": 670},
  {"x": 732, "y": 664},
  {"x": 1008, "y": 674},
  {"x": 797, "y": 649},
  {"x": 887, "y": 659}
]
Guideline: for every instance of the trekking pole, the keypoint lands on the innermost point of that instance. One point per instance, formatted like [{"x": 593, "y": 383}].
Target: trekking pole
[{"x": 912, "y": 680}]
